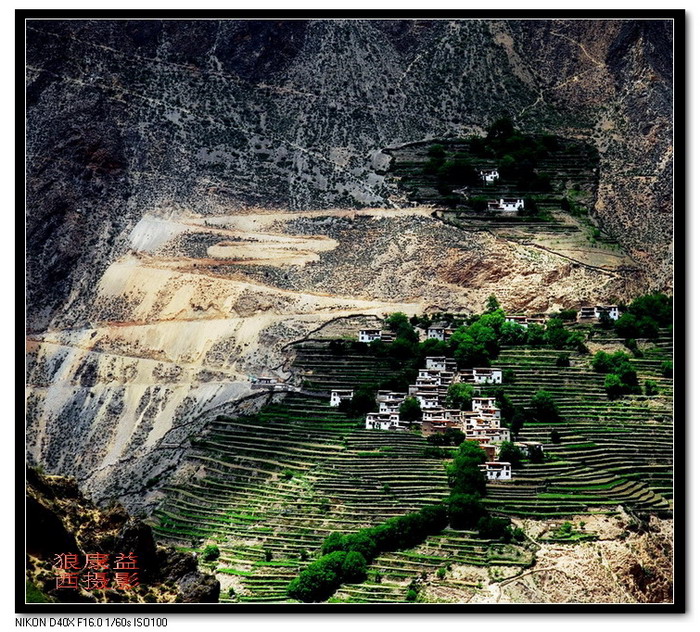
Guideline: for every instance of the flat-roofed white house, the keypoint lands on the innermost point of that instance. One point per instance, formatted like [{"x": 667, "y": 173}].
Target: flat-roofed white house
[
  {"x": 595, "y": 312},
  {"x": 530, "y": 448},
  {"x": 512, "y": 204},
  {"x": 382, "y": 421},
  {"x": 441, "y": 363},
  {"x": 440, "y": 332},
  {"x": 479, "y": 403},
  {"x": 487, "y": 375},
  {"x": 496, "y": 470},
  {"x": 369, "y": 335},
  {"x": 493, "y": 434},
  {"x": 489, "y": 175},
  {"x": 266, "y": 381},
  {"x": 390, "y": 402},
  {"x": 428, "y": 399},
  {"x": 338, "y": 396},
  {"x": 526, "y": 320}
]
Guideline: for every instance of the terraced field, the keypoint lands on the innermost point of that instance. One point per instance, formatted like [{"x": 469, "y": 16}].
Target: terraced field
[
  {"x": 610, "y": 452},
  {"x": 268, "y": 489}
]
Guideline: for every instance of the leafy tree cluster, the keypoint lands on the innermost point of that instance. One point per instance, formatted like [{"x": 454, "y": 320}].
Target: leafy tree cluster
[
  {"x": 517, "y": 154},
  {"x": 554, "y": 335},
  {"x": 620, "y": 377},
  {"x": 452, "y": 436},
  {"x": 542, "y": 408},
  {"x": 465, "y": 509},
  {"x": 645, "y": 316},
  {"x": 345, "y": 556}
]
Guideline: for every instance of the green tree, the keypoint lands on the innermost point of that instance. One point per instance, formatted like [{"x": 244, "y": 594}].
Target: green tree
[
  {"x": 465, "y": 510},
  {"x": 563, "y": 360},
  {"x": 459, "y": 395},
  {"x": 667, "y": 369},
  {"x": 510, "y": 453},
  {"x": 363, "y": 401},
  {"x": 492, "y": 303},
  {"x": 613, "y": 386},
  {"x": 410, "y": 410},
  {"x": 543, "y": 408},
  {"x": 513, "y": 334},
  {"x": 354, "y": 568},
  {"x": 627, "y": 326},
  {"x": 651, "y": 387}
]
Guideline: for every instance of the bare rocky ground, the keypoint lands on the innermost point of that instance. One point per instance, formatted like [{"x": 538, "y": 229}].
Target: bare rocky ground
[{"x": 630, "y": 562}]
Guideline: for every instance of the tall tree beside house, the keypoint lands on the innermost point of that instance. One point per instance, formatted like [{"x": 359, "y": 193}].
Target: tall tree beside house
[
  {"x": 459, "y": 395},
  {"x": 410, "y": 410}
]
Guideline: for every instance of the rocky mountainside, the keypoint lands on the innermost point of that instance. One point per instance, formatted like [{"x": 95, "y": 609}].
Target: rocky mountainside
[
  {"x": 61, "y": 521},
  {"x": 193, "y": 196}
]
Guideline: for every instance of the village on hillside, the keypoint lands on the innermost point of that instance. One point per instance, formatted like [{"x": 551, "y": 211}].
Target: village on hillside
[{"x": 425, "y": 407}]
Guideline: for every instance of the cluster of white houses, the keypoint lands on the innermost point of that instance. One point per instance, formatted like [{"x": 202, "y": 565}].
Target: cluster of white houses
[{"x": 482, "y": 423}]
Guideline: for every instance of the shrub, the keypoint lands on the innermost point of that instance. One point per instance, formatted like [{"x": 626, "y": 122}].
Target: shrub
[
  {"x": 509, "y": 376},
  {"x": 268, "y": 555},
  {"x": 411, "y": 595},
  {"x": 563, "y": 360},
  {"x": 210, "y": 553},
  {"x": 667, "y": 369},
  {"x": 494, "y": 528},
  {"x": 651, "y": 387},
  {"x": 319, "y": 580},
  {"x": 554, "y": 437},
  {"x": 287, "y": 474},
  {"x": 354, "y": 568},
  {"x": 459, "y": 395}
]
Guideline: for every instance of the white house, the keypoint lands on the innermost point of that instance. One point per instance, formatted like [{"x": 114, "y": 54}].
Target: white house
[
  {"x": 487, "y": 376},
  {"x": 496, "y": 470},
  {"x": 487, "y": 434},
  {"x": 436, "y": 362},
  {"x": 512, "y": 204},
  {"x": 489, "y": 175},
  {"x": 586, "y": 313},
  {"x": 612, "y": 310},
  {"x": 266, "y": 381},
  {"x": 369, "y": 335},
  {"x": 338, "y": 396},
  {"x": 527, "y": 320},
  {"x": 437, "y": 333},
  {"x": 481, "y": 403},
  {"x": 390, "y": 402},
  {"x": 428, "y": 399},
  {"x": 382, "y": 421}
]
